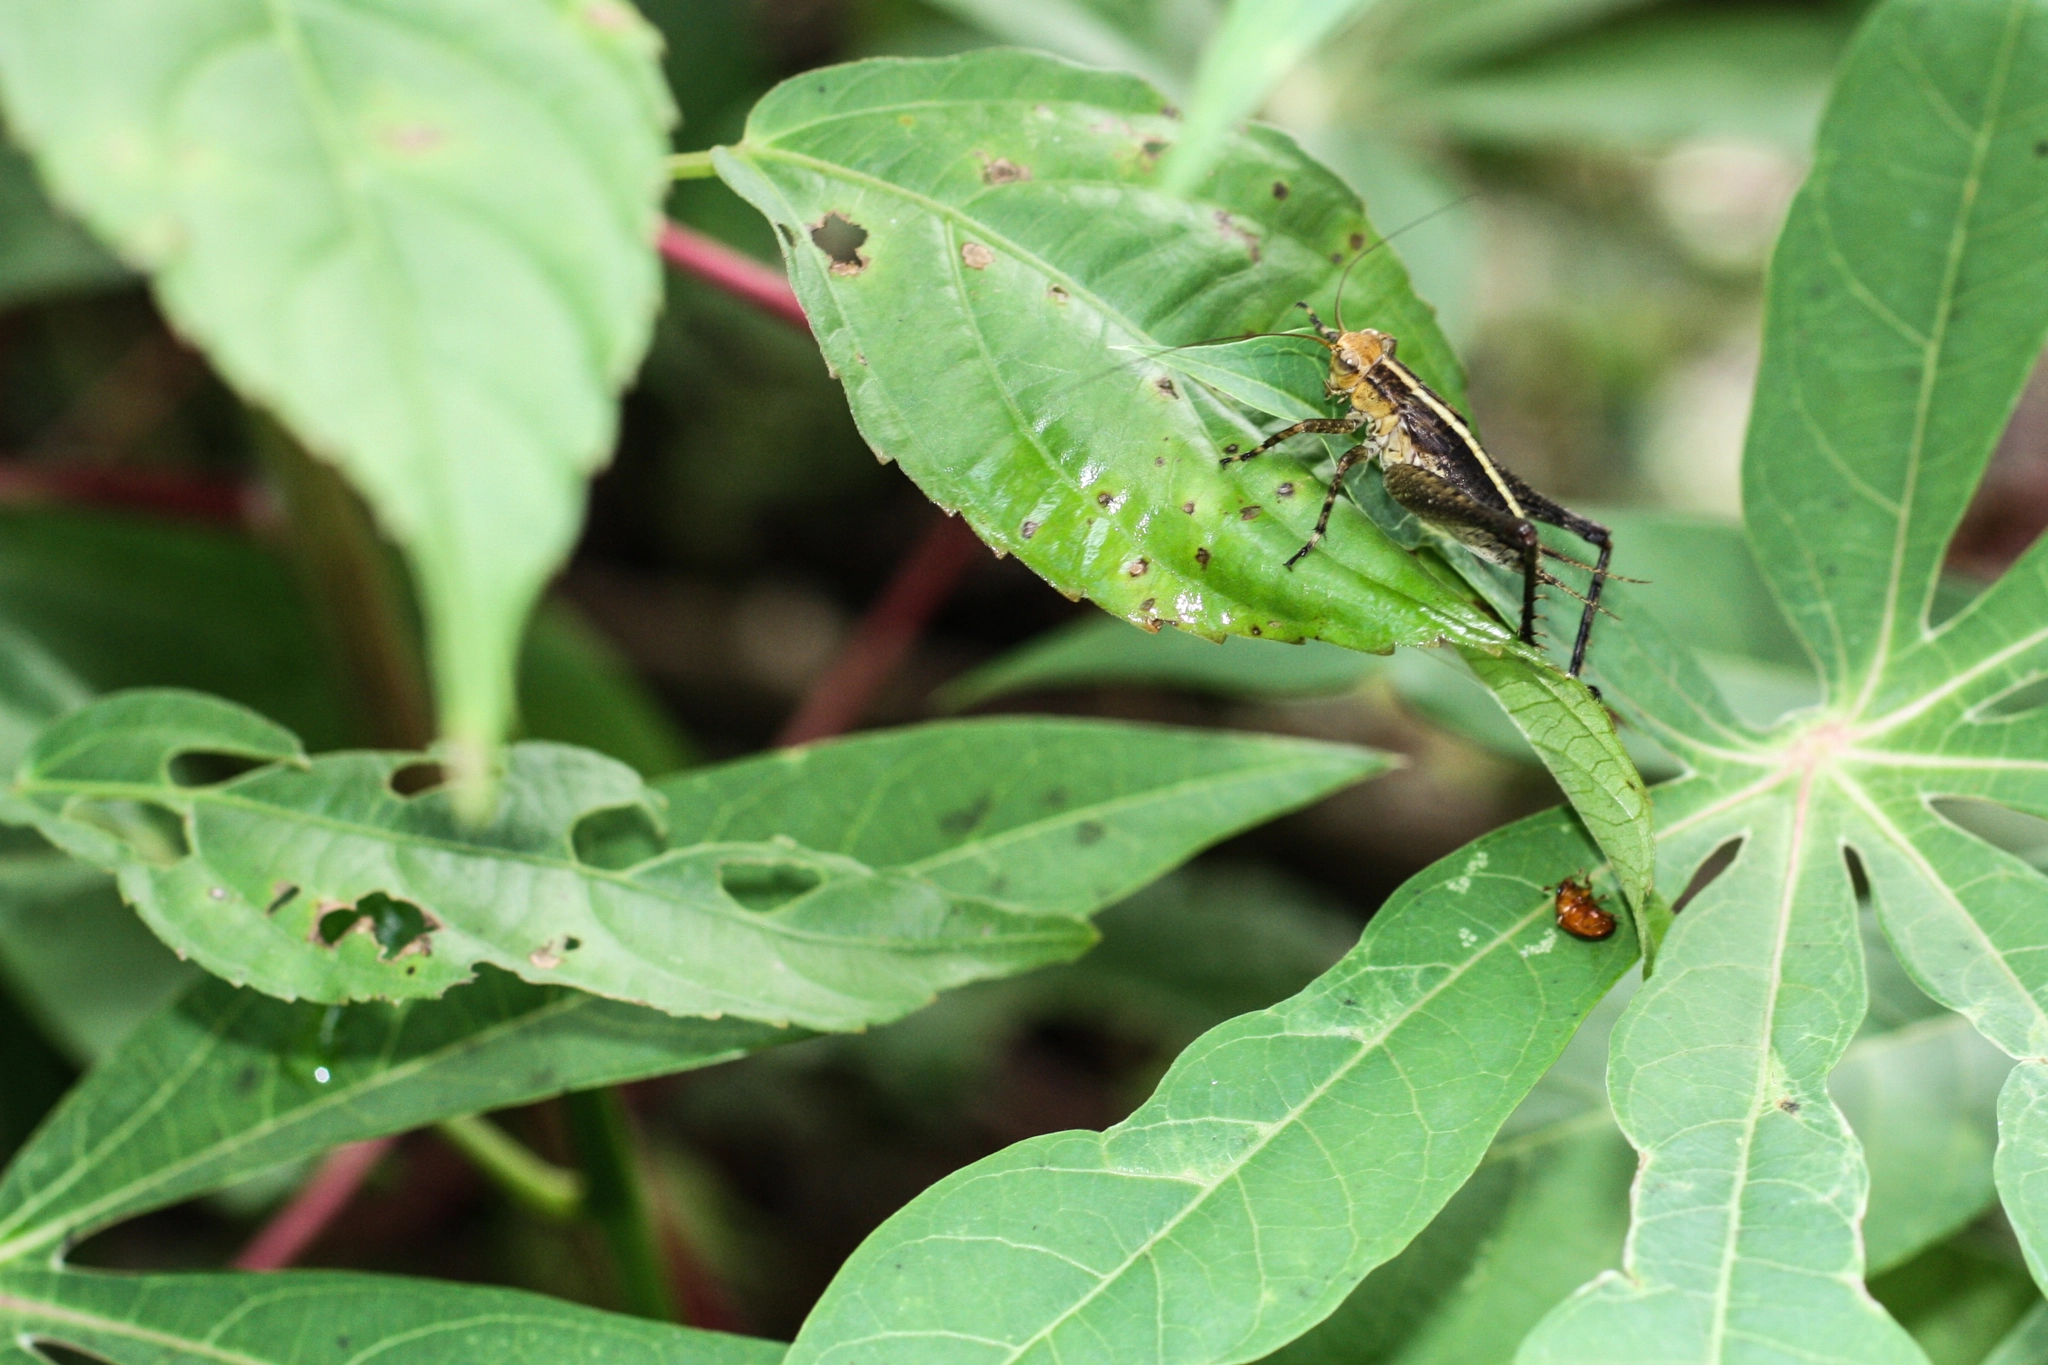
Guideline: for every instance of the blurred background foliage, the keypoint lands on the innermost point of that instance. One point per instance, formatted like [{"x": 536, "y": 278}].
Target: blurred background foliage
[{"x": 1586, "y": 189}]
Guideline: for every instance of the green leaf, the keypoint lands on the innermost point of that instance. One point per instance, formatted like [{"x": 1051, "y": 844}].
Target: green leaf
[
  {"x": 1546, "y": 1208},
  {"x": 1055, "y": 817},
  {"x": 1285, "y": 1154},
  {"x": 1254, "y": 48},
  {"x": 1905, "y": 312},
  {"x": 1007, "y": 273},
  {"x": 1575, "y": 737},
  {"x": 318, "y": 879},
  {"x": 960, "y": 290},
  {"x": 1102, "y": 651},
  {"x": 75, "y": 957},
  {"x": 423, "y": 238},
  {"x": 312, "y": 1318},
  {"x": 1752, "y": 1184},
  {"x": 2027, "y": 1343},
  {"x": 228, "y": 1083},
  {"x": 832, "y": 887}
]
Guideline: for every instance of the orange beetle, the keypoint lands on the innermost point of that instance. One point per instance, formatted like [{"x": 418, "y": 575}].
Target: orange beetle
[{"x": 1578, "y": 914}]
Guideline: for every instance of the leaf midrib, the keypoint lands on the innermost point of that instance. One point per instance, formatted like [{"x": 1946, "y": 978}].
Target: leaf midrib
[{"x": 1367, "y": 1046}]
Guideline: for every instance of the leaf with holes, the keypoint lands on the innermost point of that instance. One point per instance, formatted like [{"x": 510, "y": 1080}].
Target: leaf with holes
[
  {"x": 1908, "y": 303},
  {"x": 353, "y": 876},
  {"x": 992, "y": 266},
  {"x": 1285, "y": 1154},
  {"x": 422, "y": 234}
]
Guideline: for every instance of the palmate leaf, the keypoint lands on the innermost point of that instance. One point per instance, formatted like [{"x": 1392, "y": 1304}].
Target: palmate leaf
[
  {"x": 319, "y": 879},
  {"x": 1908, "y": 301},
  {"x": 993, "y": 268},
  {"x": 1285, "y": 1154},
  {"x": 420, "y": 232}
]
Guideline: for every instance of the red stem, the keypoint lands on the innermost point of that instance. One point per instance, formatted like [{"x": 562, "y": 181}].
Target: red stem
[
  {"x": 923, "y": 581},
  {"x": 738, "y": 274},
  {"x": 299, "y": 1224}
]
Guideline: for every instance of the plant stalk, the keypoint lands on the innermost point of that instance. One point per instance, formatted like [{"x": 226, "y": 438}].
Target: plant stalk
[
  {"x": 533, "y": 1183},
  {"x": 616, "y": 1198}
]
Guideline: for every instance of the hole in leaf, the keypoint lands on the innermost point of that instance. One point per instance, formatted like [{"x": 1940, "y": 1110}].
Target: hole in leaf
[
  {"x": 841, "y": 239},
  {"x": 415, "y": 778},
  {"x": 762, "y": 887},
  {"x": 2010, "y": 831},
  {"x": 1717, "y": 862},
  {"x": 57, "y": 1353},
  {"x": 2030, "y": 695},
  {"x": 155, "y": 834},
  {"x": 1859, "y": 877},
  {"x": 617, "y": 839},
  {"x": 335, "y": 923},
  {"x": 396, "y": 925},
  {"x": 209, "y": 769}
]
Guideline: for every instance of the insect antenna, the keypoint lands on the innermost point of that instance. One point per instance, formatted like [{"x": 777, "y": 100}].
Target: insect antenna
[{"x": 1364, "y": 252}]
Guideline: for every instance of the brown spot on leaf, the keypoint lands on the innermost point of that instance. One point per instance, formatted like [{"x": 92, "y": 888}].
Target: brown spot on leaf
[
  {"x": 1279, "y": 189},
  {"x": 1357, "y": 240},
  {"x": 1028, "y": 529},
  {"x": 1285, "y": 490},
  {"x": 1003, "y": 171},
  {"x": 1165, "y": 385},
  {"x": 1057, "y": 295},
  {"x": 1136, "y": 568},
  {"x": 1249, "y": 513},
  {"x": 1202, "y": 555},
  {"x": 977, "y": 256},
  {"x": 1188, "y": 507}
]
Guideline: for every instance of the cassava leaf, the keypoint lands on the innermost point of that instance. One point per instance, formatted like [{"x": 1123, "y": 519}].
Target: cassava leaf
[
  {"x": 996, "y": 301},
  {"x": 1285, "y": 1154},
  {"x": 1906, "y": 309},
  {"x": 989, "y": 290},
  {"x": 320, "y": 879},
  {"x": 421, "y": 233},
  {"x": 315, "y": 1318},
  {"x": 225, "y": 1083},
  {"x": 1057, "y": 817}
]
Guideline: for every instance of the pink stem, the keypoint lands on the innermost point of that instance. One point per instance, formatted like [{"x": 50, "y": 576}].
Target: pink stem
[
  {"x": 738, "y": 274},
  {"x": 299, "y": 1224},
  {"x": 923, "y": 581}
]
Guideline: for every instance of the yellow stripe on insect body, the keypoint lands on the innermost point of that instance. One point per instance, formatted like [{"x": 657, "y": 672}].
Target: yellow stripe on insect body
[{"x": 1456, "y": 423}]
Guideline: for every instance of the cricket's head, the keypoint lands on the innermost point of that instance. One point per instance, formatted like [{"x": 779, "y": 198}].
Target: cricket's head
[{"x": 1353, "y": 355}]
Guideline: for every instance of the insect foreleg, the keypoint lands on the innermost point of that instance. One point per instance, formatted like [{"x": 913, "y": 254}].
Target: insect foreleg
[
  {"x": 1344, "y": 462},
  {"x": 1324, "y": 426}
]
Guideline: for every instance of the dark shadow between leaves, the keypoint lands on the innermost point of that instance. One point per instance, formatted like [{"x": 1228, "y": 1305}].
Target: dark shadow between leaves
[
  {"x": 415, "y": 779},
  {"x": 616, "y": 839},
  {"x": 203, "y": 769},
  {"x": 2030, "y": 695},
  {"x": 763, "y": 887},
  {"x": 2010, "y": 831},
  {"x": 1708, "y": 872},
  {"x": 61, "y": 1353}
]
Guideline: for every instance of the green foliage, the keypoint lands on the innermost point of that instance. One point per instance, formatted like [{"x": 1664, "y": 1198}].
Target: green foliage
[
  {"x": 422, "y": 238},
  {"x": 338, "y": 878},
  {"x": 991, "y": 303},
  {"x": 1294, "y": 1144}
]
